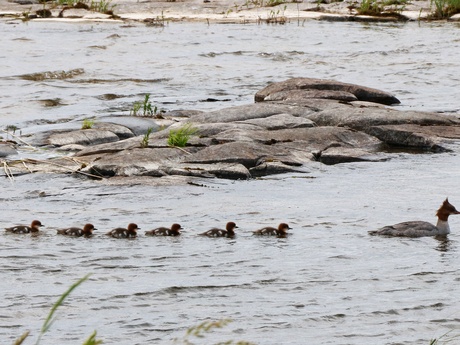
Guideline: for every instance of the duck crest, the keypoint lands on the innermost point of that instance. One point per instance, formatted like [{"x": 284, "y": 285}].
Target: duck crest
[{"x": 446, "y": 210}]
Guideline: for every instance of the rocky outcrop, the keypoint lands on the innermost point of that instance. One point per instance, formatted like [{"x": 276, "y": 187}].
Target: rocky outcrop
[
  {"x": 320, "y": 88},
  {"x": 430, "y": 138},
  {"x": 293, "y": 125}
]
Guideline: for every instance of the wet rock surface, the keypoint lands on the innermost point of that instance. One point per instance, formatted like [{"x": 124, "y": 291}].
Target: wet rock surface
[{"x": 288, "y": 129}]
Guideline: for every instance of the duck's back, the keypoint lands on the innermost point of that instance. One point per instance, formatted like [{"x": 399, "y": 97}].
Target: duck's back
[
  {"x": 267, "y": 231},
  {"x": 407, "y": 229},
  {"x": 77, "y": 232},
  {"x": 215, "y": 232},
  {"x": 19, "y": 229}
]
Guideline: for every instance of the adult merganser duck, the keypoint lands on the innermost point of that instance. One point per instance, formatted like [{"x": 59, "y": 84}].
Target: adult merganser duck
[
  {"x": 270, "y": 231},
  {"x": 162, "y": 231},
  {"x": 420, "y": 229},
  {"x": 87, "y": 231},
  {"x": 130, "y": 232},
  {"x": 215, "y": 232},
  {"x": 24, "y": 229}
]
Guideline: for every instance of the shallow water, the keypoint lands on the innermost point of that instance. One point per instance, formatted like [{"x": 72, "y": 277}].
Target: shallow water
[{"x": 328, "y": 283}]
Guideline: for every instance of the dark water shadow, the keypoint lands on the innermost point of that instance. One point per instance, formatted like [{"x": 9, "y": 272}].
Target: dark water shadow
[{"x": 444, "y": 243}]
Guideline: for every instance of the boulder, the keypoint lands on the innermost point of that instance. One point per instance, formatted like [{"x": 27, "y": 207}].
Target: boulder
[
  {"x": 362, "y": 93},
  {"x": 361, "y": 118},
  {"x": 82, "y": 137},
  {"x": 132, "y": 162},
  {"x": 335, "y": 155},
  {"x": 273, "y": 168},
  {"x": 252, "y": 111},
  {"x": 204, "y": 129},
  {"x": 120, "y": 131},
  {"x": 231, "y": 171},
  {"x": 281, "y": 121},
  {"x": 7, "y": 149},
  {"x": 296, "y": 95},
  {"x": 137, "y": 124},
  {"x": 117, "y": 146},
  {"x": 249, "y": 154},
  {"x": 430, "y": 138},
  {"x": 313, "y": 138}
]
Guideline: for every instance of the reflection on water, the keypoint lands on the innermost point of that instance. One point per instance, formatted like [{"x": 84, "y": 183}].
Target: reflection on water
[
  {"x": 328, "y": 283},
  {"x": 444, "y": 243}
]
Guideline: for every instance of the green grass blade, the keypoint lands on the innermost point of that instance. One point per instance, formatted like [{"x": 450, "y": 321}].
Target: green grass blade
[
  {"x": 92, "y": 340},
  {"x": 22, "y": 338},
  {"x": 49, "y": 320}
]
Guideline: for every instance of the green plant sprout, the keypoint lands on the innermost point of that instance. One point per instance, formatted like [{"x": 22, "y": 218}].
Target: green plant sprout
[
  {"x": 205, "y": 327},
  {"x": 144, "y": 108},
  {"x": 145, "y": 138},
  {"x": 87, "y": 124},
  {"x": 180, "y": 137}
]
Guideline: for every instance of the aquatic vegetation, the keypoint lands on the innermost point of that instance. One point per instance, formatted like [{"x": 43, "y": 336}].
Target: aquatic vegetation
[
  {"x": 370, "y": 7},
  {"x": 102, "y": 6},
  {"x": 50, "y": 318},
  {"x": 144, "y": 108},
  {"x": 159, "y": 21},
  {"x": 206, "y": 327},
  {"x": 381, "y": 8},
  {"x": 444, "y": 8},
  {"x": 145, "y": 138},
  {"x": 87, "y": 124},
  {"x": 446, "y": 339},
  {"x": 250, "y": 4},
  {"x": 11, "y": 128},
  {"x": 180, "y": 137},
  {"x": 276, "y": 17},
  {"x": 51, "y": 75}
]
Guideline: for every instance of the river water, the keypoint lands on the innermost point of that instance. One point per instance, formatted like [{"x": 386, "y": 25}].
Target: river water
[{"x": 328, "y": 283}]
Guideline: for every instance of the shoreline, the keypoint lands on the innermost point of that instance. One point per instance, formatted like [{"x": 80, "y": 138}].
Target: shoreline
[{"x": 156, "y": 13}]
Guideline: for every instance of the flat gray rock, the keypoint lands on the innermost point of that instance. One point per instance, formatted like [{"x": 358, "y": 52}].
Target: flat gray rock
[
  {"x": 281, "y": 121},
  {"x": 7, "y": 149},
  {"x": 84, "y": 137},
  {"x": 430, "y": 138},
  {"x": 362, "y": 93}
]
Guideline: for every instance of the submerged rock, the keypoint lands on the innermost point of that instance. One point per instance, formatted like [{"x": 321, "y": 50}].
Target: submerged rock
[{"x": 53, "y": 75}]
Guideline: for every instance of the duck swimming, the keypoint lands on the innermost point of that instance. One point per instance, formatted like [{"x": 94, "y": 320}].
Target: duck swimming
[
  {"x": 162, "y": 231},
  {"x": 130, "y": 232},
  {"x": 25, "y": 229},
  {"x": 281, "y": 231},
  {"x": 228, "y": 232},
  {"x": 87, "y": 231},
  {"x": 419, "y": 228}
]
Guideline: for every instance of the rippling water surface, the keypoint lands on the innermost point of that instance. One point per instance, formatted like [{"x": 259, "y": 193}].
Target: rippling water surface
[{"x": 328, "y": 283}]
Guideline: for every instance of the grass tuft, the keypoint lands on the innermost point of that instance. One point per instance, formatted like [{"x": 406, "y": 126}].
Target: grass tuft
[
  {"x": 145, "y": 138},
  {"x": 144, "y": 108},
  {"x": 92, "y": 340},
  {"x": 87, "y": 124},
  {"x": 180, "y": 137},
  {"x": 444, "y": 8}
]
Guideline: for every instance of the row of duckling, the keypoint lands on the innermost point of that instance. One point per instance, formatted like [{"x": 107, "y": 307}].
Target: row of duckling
[{"x": 131, "y": 230}]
